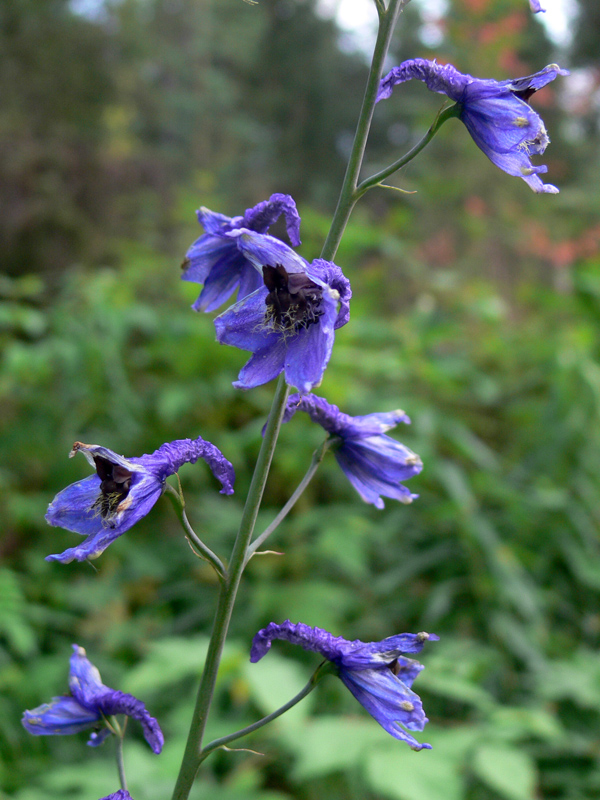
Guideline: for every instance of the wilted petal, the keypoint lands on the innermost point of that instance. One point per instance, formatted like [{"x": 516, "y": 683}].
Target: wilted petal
[{"x": 60, "y": 717}]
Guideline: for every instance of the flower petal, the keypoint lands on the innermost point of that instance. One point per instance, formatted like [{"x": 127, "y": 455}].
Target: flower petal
[
  {"x": 262, "y": 216},
  {"x": 309, "y": 350},
  {"x": 389, "y": 701},
  {"x": 61, "y": 716},
  {"x": 262, "y": 250},
  {"x": 264, "y": 365},
  {"x": 243, "y": 325}
]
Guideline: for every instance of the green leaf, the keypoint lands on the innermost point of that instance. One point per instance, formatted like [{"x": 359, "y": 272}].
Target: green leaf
[{"x": 506, "y": 770}]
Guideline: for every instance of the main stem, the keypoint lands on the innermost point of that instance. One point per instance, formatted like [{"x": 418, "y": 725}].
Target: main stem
[
  {"x": 191, "y": 759},
  {"x": 348, "y": 197},
  {"x": 348, "y": 194}
]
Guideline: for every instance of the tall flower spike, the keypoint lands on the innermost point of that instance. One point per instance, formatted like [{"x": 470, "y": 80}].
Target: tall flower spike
[
  {"x": 377, "y": 673},
  {"x": 373, "y": 462},
  {"x": 496, "y": 113},
  {"x": 215, "y": 260},
  {"x": 88, "y": 705},
  {"x": 123, "y": 490},
  {"x": 289, "y": 322}
]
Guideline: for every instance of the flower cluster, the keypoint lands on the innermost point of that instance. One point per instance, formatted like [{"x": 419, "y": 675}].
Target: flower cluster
[
  {"x": 378, "y": 674},
  {"x": 88, "y": 706},
  {"x": 496, "y": 113}
]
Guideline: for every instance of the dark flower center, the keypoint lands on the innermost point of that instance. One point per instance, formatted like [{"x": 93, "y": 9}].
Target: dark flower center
[
  {"x": 115, "y": 482},
  {"x": 293, "y": 301}
]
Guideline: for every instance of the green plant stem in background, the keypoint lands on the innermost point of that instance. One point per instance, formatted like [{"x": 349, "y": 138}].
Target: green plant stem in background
[
  {"x": 314, "y": 465},
  {"x": 323, "y": 669},
  {"x": 348, "y": 195},
  {"x": 375, "y": 180},
  {"x": 191, "y": 759}
]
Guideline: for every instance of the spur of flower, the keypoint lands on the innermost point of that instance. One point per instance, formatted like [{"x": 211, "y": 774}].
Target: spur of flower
[
  {"x": 378, "y": 674},
  {"x": 123, "y": 490},
  {"x": 215, "y": 259},
  {"x": 88, "y": 706},
  {"x": 288, "y": 323},
  {"x": 373, "y": 462},
  {"x": 496, "y": 113}
]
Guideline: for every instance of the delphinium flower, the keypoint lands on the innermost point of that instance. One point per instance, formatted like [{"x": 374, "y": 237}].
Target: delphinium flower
[
  {"x": 289, "y": 322},
  {"x": 373, "y": 462},
  {"x": 496, "y": 113},
  {"x": 89, "y": 705},
  {"x": 215, "y": 260},
  {"x": 123, "y": 490},
  {"x": 122, "y": 794},
  {"x": 378, "y": 674},
  {"x": 535, "y": 6}
]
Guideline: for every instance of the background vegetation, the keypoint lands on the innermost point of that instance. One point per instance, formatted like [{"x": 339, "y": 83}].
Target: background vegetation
[{"x": 476, "y": 310}]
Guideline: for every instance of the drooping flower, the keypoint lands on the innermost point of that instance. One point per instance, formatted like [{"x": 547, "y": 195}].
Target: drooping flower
[
  {"x": 289, "y": 322},
  {"x": 215, "y": 260},
  {"x": 373, "y": 462},
  {"x": 536, "y": 6},
  {"x": 88, "y": 706},
  {"x": 123, "y": 490},
  {"x": 122, "y": 794},
  {"x": 496, "y": 113},
  {"x": 377, "y": 673}
]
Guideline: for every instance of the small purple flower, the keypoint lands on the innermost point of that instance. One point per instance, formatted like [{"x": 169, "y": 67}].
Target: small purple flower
[
  {"x": 536, "y": 6},
  {"x": 289, "y": 322},
  {"x": 215, "y": 260},
  {"x": 373, "y": 462},
  {"x": 496, "y": 113},
  {"x": 122, "y": 794},
  {"x": 123, "y": 490},
  {"x": 377, "y": 673},
  {"x": 88, "y": 705}
]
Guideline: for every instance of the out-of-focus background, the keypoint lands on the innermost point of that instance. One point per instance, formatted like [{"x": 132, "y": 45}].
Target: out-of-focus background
[{"x": 475, "y": 309}]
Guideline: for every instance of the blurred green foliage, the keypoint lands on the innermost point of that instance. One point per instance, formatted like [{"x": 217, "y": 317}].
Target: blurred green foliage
[{"x": 476, "y": 307}]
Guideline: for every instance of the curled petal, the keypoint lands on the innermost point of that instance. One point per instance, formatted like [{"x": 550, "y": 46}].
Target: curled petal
[
  {"x": 115, "y": 702},
  {"x": 262, "y": 216}
]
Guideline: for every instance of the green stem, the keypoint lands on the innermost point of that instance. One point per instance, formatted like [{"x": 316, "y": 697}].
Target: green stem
[
  {"x": 191, "y": 759},
  {"x": 348, "y": 195},
  {"x": 205, "y": 552},
  {"x": 314, "y": 465},
  {"x": 375, "y": 180},
  {"x": 224, "y": 740},
  {"x": 119, "y": 754}
]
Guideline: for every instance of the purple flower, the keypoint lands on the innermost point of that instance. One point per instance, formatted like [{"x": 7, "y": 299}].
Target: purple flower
[
  {"x": 496, "y": 113},
  {"x": 215, "y": 260},
  {"x": 289, "y": 322},
  {"x": 88, "y": 705},
  {"x": 535, "y": 6},
  {"x": 373, "y": 462},
  {"x": 122, "y": 794},
  {"x": 123, "y": 490},
  {"x": 377, "y": 673}
]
